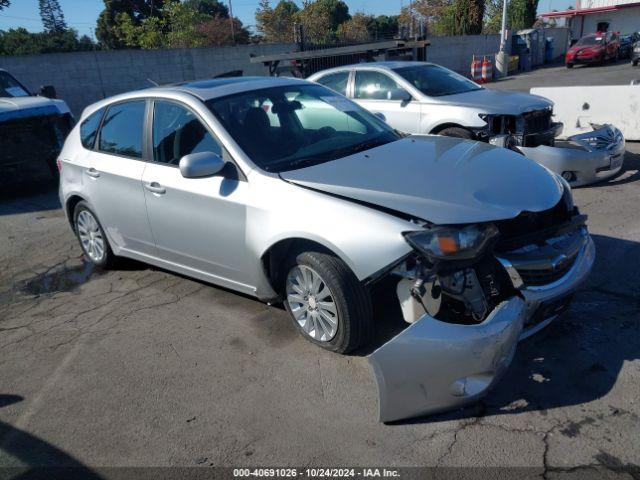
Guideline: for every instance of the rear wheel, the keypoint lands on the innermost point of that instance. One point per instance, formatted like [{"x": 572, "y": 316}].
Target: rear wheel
[
  {"x": 327, "y": 303},
  {"x": 457, "y": 132},
  {"x": 93, "y": 240}
]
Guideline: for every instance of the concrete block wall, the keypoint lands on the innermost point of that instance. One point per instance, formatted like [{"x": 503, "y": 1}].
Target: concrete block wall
[
  {"x": 456, "y": 52},
  {"x": 82, "y": 78}
]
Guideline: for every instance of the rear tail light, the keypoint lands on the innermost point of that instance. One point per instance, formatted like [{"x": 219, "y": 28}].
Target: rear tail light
[{"x": 59, "y": 164}]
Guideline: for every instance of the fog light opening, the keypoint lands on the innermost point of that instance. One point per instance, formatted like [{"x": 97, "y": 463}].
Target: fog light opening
[{"x": 569, "y": 176}]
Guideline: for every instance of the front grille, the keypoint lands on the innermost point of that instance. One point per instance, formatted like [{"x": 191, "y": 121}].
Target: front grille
[
  {"x": 537, "y": 121},
  {"x": 545, "y": 276},
  {"x": 37, "y": 138}
]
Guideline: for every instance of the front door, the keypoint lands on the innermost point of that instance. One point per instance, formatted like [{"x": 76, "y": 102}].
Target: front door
[
  {"x": 380, "y": 94},
  {"x": 112, "y": 176},
  {"x": 197, "y": 223}
]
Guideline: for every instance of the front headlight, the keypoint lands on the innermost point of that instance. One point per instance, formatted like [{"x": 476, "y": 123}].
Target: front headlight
[{"x": 452, "y": 243}]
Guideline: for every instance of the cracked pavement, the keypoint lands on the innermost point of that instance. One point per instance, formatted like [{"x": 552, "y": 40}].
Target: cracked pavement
[{"x": 141, "y": 367}]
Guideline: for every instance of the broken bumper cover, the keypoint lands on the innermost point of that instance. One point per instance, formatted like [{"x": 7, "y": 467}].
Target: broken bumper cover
[
  {"x": 433, "y": 366},
  {"x": 586, "y": 158}
]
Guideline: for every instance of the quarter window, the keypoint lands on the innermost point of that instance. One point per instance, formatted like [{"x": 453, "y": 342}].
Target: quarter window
[
  {"x": 178, "y": 132},
  {"x": 121, "y": 132},
  {"x": 89, "y": 129},
  {"x": 336, "y": 82},
  {"x": 376, "y": 86}
]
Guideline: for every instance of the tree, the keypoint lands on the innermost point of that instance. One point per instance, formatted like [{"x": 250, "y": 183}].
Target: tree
[
  {"x": 52, "y": 16},
  {"x": 521, "y": 14},
  {"x": 212, "y": 8},
  {"x": 384, "y": 26},
  {"x": 276, "y": 24},
  {"x": 356, "y": 29},
  {"x": 4, "y": 3},
  {"x": 19, "y": 41},
  {"x": 217, "y": 31},
  {"x": 468, "y": 17},
  {"x": 110, "y": 22}
]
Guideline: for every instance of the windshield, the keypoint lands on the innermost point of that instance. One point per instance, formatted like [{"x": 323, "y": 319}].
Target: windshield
[
  {"x": 436, "y": 81},
  {"x": 10, "y": 87},
  {"x": 590, "y": 41},
  {"x": 285, "y": 128}
]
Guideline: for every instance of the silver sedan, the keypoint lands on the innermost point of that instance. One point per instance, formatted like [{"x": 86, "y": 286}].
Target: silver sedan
[{"x": 289, "y": 192}]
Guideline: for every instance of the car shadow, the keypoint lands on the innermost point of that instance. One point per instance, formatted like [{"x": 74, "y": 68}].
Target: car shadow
[
  {"x": 631, "y": 163},
  {"x": 26, "y": 457},
  {"x": 578, "y": 358},
  {"x": 26, "y": 198}
]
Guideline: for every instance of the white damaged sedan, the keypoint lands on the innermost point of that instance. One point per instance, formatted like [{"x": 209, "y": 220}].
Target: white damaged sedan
[{"x": 287, "y": 191}]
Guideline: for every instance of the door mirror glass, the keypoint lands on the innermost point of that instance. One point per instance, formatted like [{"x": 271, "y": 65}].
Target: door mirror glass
[
  {"x": 399, "y": 94},
  {"x": 48, "y": 91},
  {"x": 198, "y": 165}
]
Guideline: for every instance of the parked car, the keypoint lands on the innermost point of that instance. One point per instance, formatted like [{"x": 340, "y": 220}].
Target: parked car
[
  {"x": 284, "y": 190},
  {"x": 596, "y": 47},
  {"x": 32, "y": 130},
  {"x": 423, "y": 98},
  {"x": 626, "y": 46},
  {"x": 635, "y": 52}
]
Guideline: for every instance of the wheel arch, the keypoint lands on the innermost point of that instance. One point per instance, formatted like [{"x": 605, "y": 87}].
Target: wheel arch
[
  {"x": 273, "y": 258},
  {"x": 440, "y": 127},
  {"x": 70, "y": 206}
]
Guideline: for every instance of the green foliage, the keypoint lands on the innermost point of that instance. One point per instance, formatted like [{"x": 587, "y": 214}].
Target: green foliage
[
  {"x": 52, "y": 16},
  {"x": 276, "y": 24},
  {"x": 521, "y": 14},
  {"x": 108, "y": 26},
  {"x": 19, "y": 41},
  {"x": 4, "y": 3},
  {"x": 212, "y": 8},
  {"x": 356, "y": 29},
  {"x": 383, "y": 26}
]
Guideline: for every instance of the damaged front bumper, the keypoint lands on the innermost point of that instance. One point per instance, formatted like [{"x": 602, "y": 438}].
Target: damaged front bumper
[
  {"x": 585, "y": 158},
  {"x": 433, "y": 366}
]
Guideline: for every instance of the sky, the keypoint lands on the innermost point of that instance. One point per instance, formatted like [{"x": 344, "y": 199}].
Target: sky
[{"x": 82, "y": 14}]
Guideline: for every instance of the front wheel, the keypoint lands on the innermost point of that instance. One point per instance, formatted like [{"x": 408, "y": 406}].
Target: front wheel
[
  {"x": 457, "y": 132},
  {"x": 327, "y": 303},
  {"x": 92, "y": 238}
]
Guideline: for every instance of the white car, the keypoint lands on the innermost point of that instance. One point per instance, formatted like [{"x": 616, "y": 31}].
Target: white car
[{"x": 424, "y": 98}]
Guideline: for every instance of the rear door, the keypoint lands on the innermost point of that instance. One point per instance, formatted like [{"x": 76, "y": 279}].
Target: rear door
[
  {"x": 198, "y": 223},
  {"x": 112, "y": 176},
  {"x": 379, "y": 93}
]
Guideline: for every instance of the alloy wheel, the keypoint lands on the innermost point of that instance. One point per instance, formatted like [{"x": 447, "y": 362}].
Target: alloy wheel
[
  {"x": 90, "y": 236},
  {"x": 312, "y": 303}
]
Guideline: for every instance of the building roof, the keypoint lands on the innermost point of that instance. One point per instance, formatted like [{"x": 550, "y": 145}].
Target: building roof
[{"x": 587, "y": 11}]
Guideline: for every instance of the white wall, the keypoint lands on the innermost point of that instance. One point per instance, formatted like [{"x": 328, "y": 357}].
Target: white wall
[{"x": 624, "y": 21}]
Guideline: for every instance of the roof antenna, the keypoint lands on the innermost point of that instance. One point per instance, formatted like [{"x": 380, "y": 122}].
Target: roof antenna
[{"x": 153, "y": 82}]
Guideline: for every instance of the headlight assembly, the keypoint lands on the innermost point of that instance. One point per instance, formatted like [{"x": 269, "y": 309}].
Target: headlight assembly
[{"x": 452, "y": 243}]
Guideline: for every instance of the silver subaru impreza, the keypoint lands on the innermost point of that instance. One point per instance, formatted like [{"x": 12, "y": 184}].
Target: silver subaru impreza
[{"x": 287, "y": 191}]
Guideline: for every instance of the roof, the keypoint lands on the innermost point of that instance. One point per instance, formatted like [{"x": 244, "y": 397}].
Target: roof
[
  {"x": 386, "y": 65},
  {"x": 220, "y": 87},
  {"x": 587, "y": 11}
]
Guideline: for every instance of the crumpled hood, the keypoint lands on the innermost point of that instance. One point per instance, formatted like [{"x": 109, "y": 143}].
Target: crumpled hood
[
  {"x": 24, "y": 107},
  {"x": 439, "y": 179},
  {"x": 500, "y": 102}
]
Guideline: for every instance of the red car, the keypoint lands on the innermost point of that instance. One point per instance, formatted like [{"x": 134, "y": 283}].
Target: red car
[{"x": 596, "y": 47}]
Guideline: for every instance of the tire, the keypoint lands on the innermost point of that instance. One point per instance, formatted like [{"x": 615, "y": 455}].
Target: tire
[
  {"x": 457, "y": 132},
  {"x": 343, "y": 293},
  {"x": 569, "y": 65},
  {"x": 83, "y": 221}
]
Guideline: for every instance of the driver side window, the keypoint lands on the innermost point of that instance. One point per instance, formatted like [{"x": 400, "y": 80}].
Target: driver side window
[
  {"x": 372, "y": 85},
  {"x": 178, "y": 132}
]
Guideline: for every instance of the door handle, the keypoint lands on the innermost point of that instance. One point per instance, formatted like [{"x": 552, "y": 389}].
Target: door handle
[
  {"x": 92, "y": 172},
  {"x": 155, "y": 187}
]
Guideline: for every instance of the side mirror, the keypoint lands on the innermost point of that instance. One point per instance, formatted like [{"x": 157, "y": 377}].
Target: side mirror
[
  {"x": 198, "y": 165},
  {"x": 399, "y": 94},
  {"x": 48, "y": 91},
  {"x": 381, "y": 116}
]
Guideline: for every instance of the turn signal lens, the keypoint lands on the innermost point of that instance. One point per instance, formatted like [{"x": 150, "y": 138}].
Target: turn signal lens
[{"x": 452, "y": 243}]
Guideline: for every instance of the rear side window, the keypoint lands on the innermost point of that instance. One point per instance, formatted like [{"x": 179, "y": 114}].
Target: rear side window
[
  {"x": 121, "y": 132},
  {"x": 336, "y": 82},
  {"x": 89, "y": 129}
]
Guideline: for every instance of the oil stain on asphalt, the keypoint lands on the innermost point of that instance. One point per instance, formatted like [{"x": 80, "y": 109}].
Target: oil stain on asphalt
[{"x": 62, "y": 279}]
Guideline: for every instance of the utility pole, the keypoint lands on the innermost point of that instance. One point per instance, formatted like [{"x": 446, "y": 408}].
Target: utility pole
[
  {"x": 233, "y": 33},
  {"x": 502, "y": 58}
]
